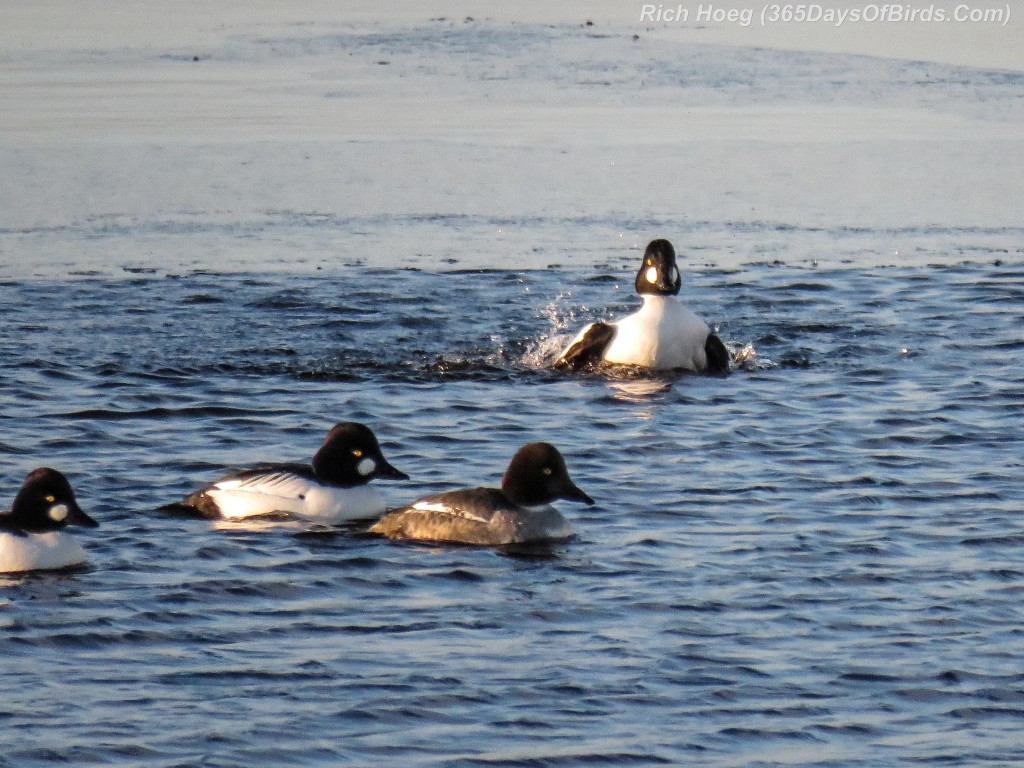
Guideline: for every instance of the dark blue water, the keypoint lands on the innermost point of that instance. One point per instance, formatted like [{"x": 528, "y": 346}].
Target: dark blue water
[{"x": 817, "y": 560}]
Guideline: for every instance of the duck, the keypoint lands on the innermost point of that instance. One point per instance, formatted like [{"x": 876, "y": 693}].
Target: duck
[
  {"x": 32, "y": 535},
  {"x": 662, "y": 335},
  {"x": 517, "y": 513},
  {"x": 333, "y": 488}
]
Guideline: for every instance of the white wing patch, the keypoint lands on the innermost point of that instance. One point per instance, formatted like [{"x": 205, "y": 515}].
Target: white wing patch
[
  {"x": 261, "y": 494},
  {"x": 283, "y": 484},
  {"x": 276, "y": 492},
  {"x": 430, "y": 506},
  {"x": 443, "y": 509}
]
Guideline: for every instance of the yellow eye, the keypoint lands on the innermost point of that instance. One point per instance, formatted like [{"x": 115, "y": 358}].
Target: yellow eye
[
  {"x": 51, "y": 498},
  {"x": 356, "y": 452},
  {"x": 547, "y": 470},
  {"x": 649, "y": 262}
]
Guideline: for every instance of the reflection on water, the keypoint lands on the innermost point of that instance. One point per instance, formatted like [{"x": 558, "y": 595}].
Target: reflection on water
[{"x": 638, "y": 390}]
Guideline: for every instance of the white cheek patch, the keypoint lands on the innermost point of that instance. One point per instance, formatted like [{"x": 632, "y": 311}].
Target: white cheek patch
[
  {"x": 652, "y": 274},
  {"x": 366, "y": 467},
  {"x": 675, "y": 275},
  {"x": 58, "y": 512}
]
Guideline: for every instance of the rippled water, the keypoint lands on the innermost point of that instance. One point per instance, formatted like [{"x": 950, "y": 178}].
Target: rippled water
[{"x": 814, "y": 560}]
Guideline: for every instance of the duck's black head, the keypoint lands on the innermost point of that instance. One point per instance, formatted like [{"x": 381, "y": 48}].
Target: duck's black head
[
  {"x": 352, "y": 456},
  {"x": 658, "y": 275},
  {"x": 46, "y": 503},
  {"x": 537, "y": 475}
]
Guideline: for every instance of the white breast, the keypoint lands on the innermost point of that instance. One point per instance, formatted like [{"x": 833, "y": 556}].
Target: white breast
[
  {"x": 39, "y": 551},
  {"x": 333, "y": 504},
  {"x": 295, "y": 495},
  {"x": 545, "y": 522},
  {"x": 663, "y": 334}
]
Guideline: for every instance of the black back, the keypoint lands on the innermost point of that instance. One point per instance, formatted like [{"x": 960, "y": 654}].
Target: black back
[
  {"x": 588, "y": 349},
  {"x": 717, "y": 355}
]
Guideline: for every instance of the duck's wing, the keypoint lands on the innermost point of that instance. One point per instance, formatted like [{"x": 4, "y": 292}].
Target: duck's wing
[
  {"x": 256, "y": 475},
  {"x": 463, "y": 516},
  {"x": 588, "y": 347},
  {"x": 717, "y": 355},
  {"x": 265, "y": 490}
]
